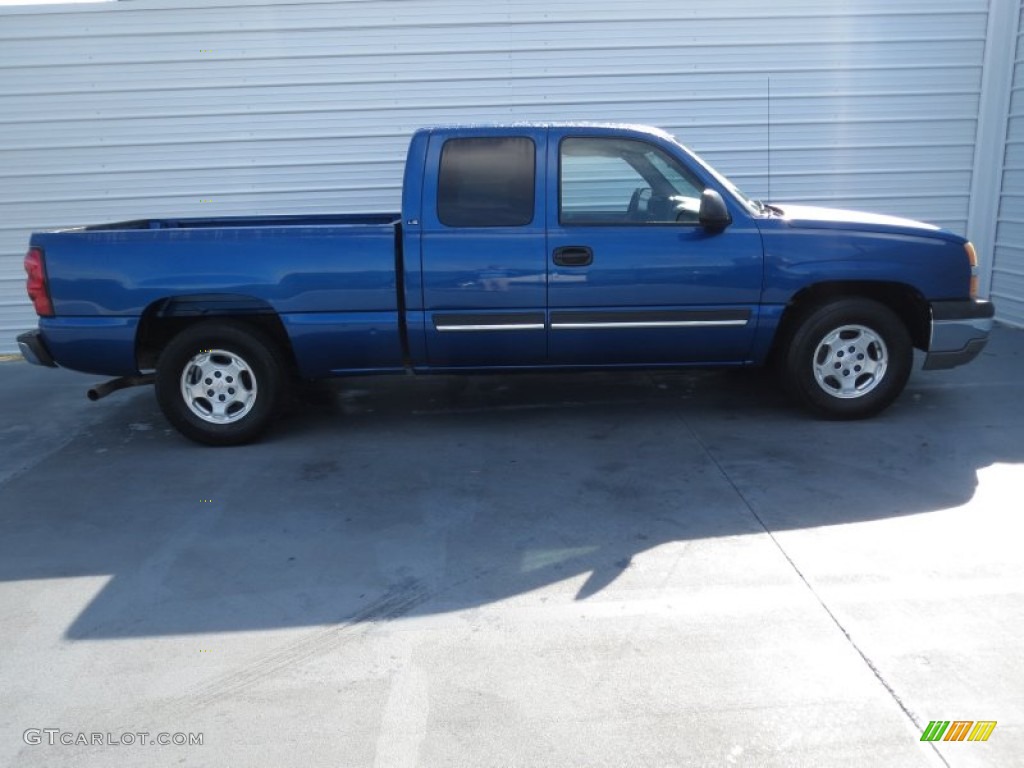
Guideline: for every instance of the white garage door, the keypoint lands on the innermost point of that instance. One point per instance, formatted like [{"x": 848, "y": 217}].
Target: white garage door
[
  {"x": 118, "y": 110},
  {"x": 1008, "y": 264}
]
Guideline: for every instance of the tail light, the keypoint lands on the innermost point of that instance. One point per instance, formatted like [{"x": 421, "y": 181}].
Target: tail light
[
  {"x": 38, "y": 290},
  {"x": 972, "y": 259}
]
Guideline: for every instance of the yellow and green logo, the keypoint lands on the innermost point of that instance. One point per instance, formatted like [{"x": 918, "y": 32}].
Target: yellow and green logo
[{"x": 958, "y": 730}]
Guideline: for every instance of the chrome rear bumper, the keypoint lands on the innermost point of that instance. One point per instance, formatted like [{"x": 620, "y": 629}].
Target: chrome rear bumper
[{"x": 33, "y": 349}]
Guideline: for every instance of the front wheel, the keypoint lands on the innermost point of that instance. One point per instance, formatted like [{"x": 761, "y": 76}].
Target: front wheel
[
  {"x": 220, "y": 383},
  {"x": 848, "y": 359}
]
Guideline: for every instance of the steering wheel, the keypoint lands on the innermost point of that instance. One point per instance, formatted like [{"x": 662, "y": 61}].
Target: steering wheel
[{"x": 641, "y": 197}]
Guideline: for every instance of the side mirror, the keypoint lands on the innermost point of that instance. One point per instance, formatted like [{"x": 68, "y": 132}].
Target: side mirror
[{"x": 714, "y": 215}]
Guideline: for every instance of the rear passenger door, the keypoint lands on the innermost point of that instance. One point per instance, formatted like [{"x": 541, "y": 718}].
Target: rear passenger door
[{"x": 482, "y": 245}]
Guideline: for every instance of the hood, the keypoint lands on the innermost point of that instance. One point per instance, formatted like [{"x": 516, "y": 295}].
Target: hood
[{"x": 811, "y": 217}]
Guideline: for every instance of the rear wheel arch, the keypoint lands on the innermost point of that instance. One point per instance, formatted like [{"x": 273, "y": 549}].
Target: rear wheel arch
[{"x": 166, "y": 318}]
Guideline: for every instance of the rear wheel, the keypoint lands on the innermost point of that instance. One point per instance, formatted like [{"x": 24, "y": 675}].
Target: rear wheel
[
  {"x": 848, "y": 359},
  {"x": 220, "y": 383}
]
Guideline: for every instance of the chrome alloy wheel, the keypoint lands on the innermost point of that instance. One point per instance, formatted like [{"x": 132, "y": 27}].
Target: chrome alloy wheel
[
  {"x": 218, "y": 386},
  {"x": 850, "y": 361}
]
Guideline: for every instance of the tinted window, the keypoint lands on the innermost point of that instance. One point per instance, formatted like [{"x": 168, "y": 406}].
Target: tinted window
[
  {"x": 624, "y": 181},
  {"x": 486, "y": 182}
]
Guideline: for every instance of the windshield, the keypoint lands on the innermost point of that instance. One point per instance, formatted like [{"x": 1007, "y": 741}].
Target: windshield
[{"x": 750, "y": 203}]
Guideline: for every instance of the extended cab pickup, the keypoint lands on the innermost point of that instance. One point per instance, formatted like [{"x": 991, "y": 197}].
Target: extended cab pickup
[{"x": 570, "y": 246}]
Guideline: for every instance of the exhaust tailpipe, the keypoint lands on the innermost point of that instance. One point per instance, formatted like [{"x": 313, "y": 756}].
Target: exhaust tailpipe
[{"x": 123, "y": 382}]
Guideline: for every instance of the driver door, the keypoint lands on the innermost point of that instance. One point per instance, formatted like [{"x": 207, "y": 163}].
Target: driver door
[{"x": 633, "y": 278}]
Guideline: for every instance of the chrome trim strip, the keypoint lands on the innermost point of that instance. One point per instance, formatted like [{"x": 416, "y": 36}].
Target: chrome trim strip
[
  {"x": 495, "y": 327},
  {"x": 646, "y": 324}
]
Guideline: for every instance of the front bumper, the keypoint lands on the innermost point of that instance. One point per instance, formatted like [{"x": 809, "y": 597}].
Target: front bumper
[
  {"x": 960, "y": 331},
  {"x": 33, "y": 349}
]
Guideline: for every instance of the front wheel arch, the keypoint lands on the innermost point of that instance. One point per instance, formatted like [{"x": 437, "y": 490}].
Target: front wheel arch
[{"x": 902, "y": 299}]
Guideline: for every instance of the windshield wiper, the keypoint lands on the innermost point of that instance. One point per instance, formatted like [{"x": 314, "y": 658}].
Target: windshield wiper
[{"x": 763, "y": 207}]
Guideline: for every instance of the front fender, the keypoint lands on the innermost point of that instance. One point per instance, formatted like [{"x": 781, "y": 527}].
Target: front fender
[{"x": 795, "y": 259}]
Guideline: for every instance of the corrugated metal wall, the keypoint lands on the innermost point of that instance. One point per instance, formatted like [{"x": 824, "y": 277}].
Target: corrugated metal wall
[
  {"x": 1008, "y": 266},
  {"x": 152, "y": 108}
]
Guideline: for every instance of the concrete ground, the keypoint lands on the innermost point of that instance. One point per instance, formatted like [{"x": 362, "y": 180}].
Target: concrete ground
[{"x": 677, "y": 569}]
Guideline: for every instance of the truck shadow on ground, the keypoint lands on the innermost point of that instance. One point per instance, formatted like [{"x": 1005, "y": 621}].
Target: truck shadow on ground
[{"x": 393, "y": 497}]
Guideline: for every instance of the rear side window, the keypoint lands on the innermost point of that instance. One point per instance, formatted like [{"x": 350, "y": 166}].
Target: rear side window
[{"x": 486, "y": 182}]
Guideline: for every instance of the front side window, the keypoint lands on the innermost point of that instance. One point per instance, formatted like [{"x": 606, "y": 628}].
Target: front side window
[
  {"x": 623, "y": 181},
  {"x": 487, "y": 182}
]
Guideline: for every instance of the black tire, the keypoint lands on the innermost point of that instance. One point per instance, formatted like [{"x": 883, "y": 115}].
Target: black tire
[
  {"x": 220, "y": 382},
  {"x": 848, "y": 359}
]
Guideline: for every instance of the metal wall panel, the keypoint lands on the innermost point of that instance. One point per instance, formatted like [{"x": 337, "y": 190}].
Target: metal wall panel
[
  {"x": 157, "y": 108},
  {"x": 1008, "y": 265}
]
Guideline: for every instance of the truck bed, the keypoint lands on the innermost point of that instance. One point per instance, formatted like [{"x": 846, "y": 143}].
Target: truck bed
[
  {"x": 345, "y": 219},
  {"x": 331, "y": 280}
]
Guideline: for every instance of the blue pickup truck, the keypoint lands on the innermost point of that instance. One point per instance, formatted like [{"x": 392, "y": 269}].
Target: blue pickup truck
[{"x": 521, "y": 247}]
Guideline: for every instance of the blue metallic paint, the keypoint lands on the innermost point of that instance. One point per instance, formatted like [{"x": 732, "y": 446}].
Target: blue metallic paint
[
  {"x": 295, "y": 269},
  {"x": 332, "y": 280},
  {"x": 796, "y": 257},
  {"x": 640, "y": 267},
  {"x": 482, "y": 269},
  {"x": 101, "y": 345},
  {"x": 333, "y": 343}
]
